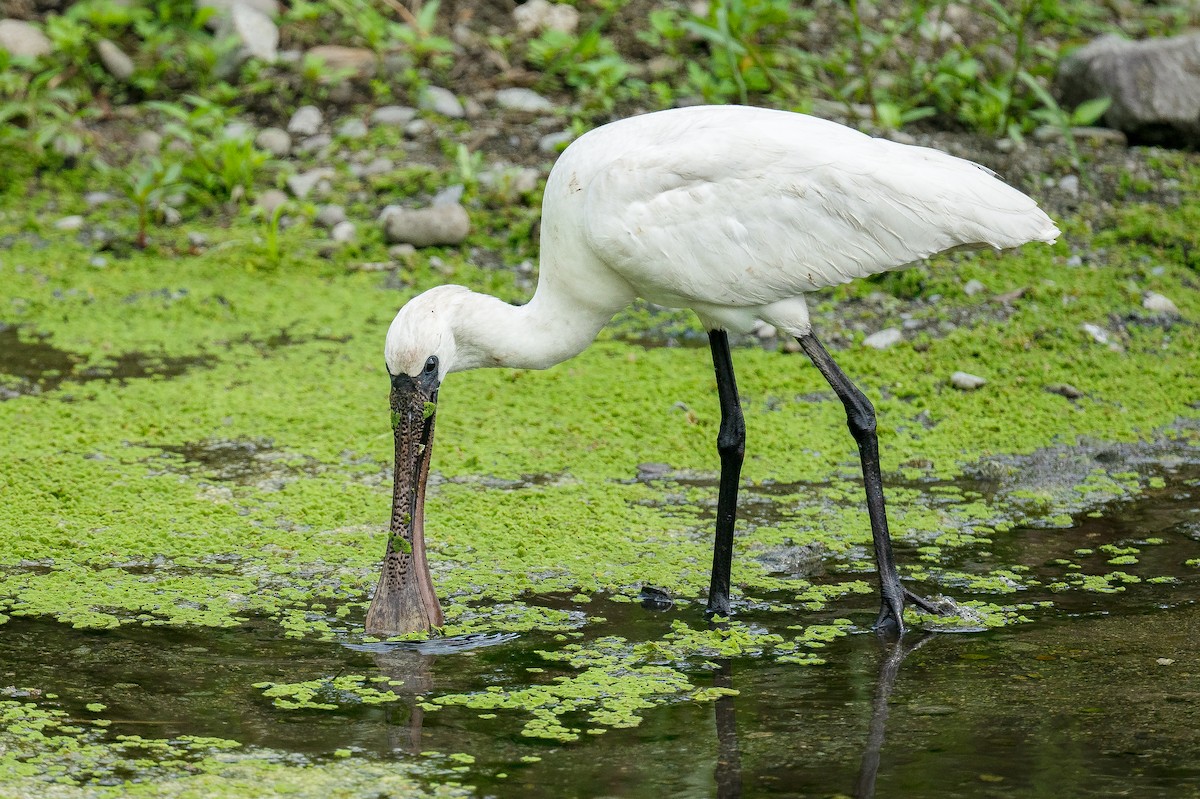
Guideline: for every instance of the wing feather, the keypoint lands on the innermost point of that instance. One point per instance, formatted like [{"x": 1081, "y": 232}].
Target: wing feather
[{"x": 721, "y": 212}]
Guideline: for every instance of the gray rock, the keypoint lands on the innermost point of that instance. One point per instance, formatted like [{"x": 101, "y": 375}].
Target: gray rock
[
  {"x": 329, "y": 216},
  {"x": 377, "y": 166},
  {"x": 313, "y": 143},
  {"x": 69, "y": 223},
  {"x": 451, "y": 195},
  {"x": 1070, "y": 185},
  {"x": 254, "y": 29},
  {"x": 95, "y": 199},
  {"x": 881, "y": 340},
  {"x": 237, "y": 129},
  {"x": 417, "y": 128},
  {"x": 1098, "y": 334},
  {"x": 352, "y": 128},
  {"x": 1157, "y": 303},
  {"x": 342, "y": 232},
  {"x": 473, "y": 109},
  {"x": 359, "y": 61},
  {"x": 1154, "y": 85},
  {"x": 197, "y": 240},
  {"x": 23, "y": 40},
  {"x": 270, "y": 200},
  {"x": 539, "y": 15},
  {"x": 973, "y": 287},
  {"x": 400, "y": 252},
  {"x": 302, "y": 184},
  {"x": 306, "y": 121},
  {"x": 397, "y": 115},
  {"x": 441, "y": 101},
  {"x": 223, "y": 9},
  {"x": 965, "y": 381},
  {"x": 119, "y": 65},
  {"x": 554, "y": 142},
  {"x": 442, "y": 224},
  {"x": 523, "y": 100},
  {"x": 275, "y": 141},
  {"x": 149, "y": 141},
  {"x": 1064, "y": 390}
]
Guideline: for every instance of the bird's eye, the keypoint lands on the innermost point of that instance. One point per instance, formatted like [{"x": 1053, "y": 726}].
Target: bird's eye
[{"x": 431, "y": 365}]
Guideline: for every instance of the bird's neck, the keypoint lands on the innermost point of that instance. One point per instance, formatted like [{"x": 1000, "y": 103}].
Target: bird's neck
[{"x": 548, "y": 330}]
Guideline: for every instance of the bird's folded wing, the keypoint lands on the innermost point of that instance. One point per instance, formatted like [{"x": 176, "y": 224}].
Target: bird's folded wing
[{"x": 733, "y": 218}]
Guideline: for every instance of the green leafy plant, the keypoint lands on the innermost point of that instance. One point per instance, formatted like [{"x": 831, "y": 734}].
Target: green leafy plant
[
  {"x": 589, "y": 64},
  {"x": 218, "y": 161},
  {"x": 145, "y": 182},
  {"x": 38, "y": 115}
]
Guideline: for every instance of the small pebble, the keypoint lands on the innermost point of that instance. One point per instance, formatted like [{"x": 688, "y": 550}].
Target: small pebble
[
  {"x": 330, "y": 216},
  {"x": 275, "y": 141},
  {"x": 270, "y": 200},
  {"x": 553, "y": 142},
  {"x": 342, "y": 232},
  {"x": 441, "y": 224},
  {"x": 417, "y": 128},
  {"x": 312, "y": 143},
  {"x": 1064, "y": 390},
  {"x": 765, "y": 332},
  {"x": 306, "y": 121},
  {"x": 526, "y": 100},
  {"x": 973, "y": 287},
  {"x": 881, "y": 340},
  {"x": 352, "y": 128},
  {"x": 442, "y": 101},
  {"x": 97, "y": 198},
  {"x": 69, "y": 223},
  {"x": 965, "y": 381},
  {"x": 1157, "y": 303},
  {"x": 1098, "y": 334},
  {"x": 301, "y": 185},
  {"x": 397, "y": 115},
  {"x": 149, "y": 141}
]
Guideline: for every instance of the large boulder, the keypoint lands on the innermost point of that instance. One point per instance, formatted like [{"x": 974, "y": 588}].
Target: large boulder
[{"x": 1154, "y": 85}]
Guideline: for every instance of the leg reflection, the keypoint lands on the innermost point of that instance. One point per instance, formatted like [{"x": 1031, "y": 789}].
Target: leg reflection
[
  {"x": 414, "y": 669},
  {"x": 889, "y": 668},
  {"x": 729, "y": 759}
]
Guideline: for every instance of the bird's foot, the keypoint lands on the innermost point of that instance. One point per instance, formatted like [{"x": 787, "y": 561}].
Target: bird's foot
[
  {"x": 718, "y": 605},
  {"x": 891, "y": 610},
  {"x": 891, "y": 613}
]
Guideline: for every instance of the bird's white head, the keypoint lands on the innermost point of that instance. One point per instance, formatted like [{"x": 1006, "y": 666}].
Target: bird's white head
[{"x": 424, "y": 329}]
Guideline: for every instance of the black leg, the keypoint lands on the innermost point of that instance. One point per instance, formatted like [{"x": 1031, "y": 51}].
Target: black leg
[
  {"x": 731, "y": 444},
  {"x": 860, "y": 416}
]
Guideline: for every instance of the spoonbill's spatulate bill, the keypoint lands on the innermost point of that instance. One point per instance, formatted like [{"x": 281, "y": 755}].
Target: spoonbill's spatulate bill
[{"x": 730, "y": 211}]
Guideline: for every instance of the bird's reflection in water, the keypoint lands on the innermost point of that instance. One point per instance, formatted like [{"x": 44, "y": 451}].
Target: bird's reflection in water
[
  {"x": 411, "y": 663},
  {"x": 729, "y": 759},
  {"x": 728, "y": 772},
  {"x": 894, "y": 654},
  {"x": 414, "y": 668}
]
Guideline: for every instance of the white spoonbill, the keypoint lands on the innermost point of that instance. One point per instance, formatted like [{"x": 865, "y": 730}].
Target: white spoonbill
[{"x": 730, "y": 211}]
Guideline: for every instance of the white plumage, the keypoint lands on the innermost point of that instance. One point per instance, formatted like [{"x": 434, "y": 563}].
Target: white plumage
[{"x": 732, "y": 212}]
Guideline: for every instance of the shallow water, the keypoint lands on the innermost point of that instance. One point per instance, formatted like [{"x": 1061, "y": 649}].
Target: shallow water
[{"x": 1098, "y": 696}]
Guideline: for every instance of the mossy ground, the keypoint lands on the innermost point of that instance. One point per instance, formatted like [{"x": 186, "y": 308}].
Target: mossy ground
[{"x": 111, "y": 513}]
